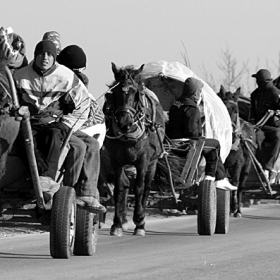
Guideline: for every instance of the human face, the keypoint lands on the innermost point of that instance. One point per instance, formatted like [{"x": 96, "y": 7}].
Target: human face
[{"x": 44, "y": 60}]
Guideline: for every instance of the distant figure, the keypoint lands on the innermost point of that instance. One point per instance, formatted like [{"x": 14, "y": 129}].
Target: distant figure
[
  {"x": 266, "y": 97},
  {"x": 185, "y": 122}
]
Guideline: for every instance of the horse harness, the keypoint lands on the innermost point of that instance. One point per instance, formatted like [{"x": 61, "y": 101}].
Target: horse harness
[{"x": 139, "y": 114}]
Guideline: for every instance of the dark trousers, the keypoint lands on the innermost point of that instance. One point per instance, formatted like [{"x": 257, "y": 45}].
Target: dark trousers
[
  {"x": 82, "y": 164},
  {"x": 214, "y": 165},
  {"x": 48, "y": 141},
  {"x": 270, "y": 153}
]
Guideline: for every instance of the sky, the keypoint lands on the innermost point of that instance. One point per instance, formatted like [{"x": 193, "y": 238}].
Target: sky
[{"x": 141, "y": 31}]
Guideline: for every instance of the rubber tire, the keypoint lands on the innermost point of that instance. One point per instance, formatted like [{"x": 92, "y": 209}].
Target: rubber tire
[
  {"x": 87, "y": 225},
  {"x": 207, "y": 208},
  {"x": 63, "y": 223},
  {"x": 223, "y": 211}
]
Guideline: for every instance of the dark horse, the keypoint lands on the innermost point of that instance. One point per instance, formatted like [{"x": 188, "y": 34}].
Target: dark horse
[
  {"x": 136, "y": 128},
  {"x": 238, "y": 162}
]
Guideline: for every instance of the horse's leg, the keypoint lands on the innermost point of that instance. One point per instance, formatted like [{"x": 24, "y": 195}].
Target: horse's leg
[
  {"x": 140, "y": 222},
  {"x": 116, "y": 228},
  {"x": 124, "y": 210},
  {"x": 243, "y": 178},
  {"x": 235, "y": 181},
  {"x": 139, "y": 210}
]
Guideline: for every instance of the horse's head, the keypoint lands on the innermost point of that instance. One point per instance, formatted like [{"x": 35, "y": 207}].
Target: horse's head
[
  {"x": 125, "y": 99},
  {"x": 231, "y": 101}
]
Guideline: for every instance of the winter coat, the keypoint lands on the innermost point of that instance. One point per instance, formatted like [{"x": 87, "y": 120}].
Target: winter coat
[
  {"x": 57, "y": 95},
  {"x": 265, "y": 98},
  {"x": 184, "y": 119}
]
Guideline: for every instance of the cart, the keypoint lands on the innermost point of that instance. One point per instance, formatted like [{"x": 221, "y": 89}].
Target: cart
[{"x": 73, "y": 229}]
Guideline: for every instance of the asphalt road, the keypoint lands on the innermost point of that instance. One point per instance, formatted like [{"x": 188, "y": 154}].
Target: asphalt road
[{"x": 171, "y": 249}]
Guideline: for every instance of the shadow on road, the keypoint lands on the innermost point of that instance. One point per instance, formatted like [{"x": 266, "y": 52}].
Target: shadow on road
[
  {"x": 260, "y": 217},
  {"x": 150, "y": 233},
  {"x": 22, "y": 256}
]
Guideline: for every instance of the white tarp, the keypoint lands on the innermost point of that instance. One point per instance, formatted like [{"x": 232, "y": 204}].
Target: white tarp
[{"x": 218, "y": 123}]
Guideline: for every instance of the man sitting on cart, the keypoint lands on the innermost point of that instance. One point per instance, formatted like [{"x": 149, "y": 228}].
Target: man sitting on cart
[
  {"x": 185, "y": 122},
  {"x": 264, "y": 98},
  {"x": 58, "y": 102}
]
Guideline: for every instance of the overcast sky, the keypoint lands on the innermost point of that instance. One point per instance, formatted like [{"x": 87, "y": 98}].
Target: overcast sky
[{"x": 142, "y": 31}]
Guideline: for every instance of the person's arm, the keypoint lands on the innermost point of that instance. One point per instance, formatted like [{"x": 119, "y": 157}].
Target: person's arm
[
  {"x": 79, "y": 97},
  {"x": 252, "y": 113},
  {"x": 12, "y": 48},
  {"x": 191, "y": 128}
]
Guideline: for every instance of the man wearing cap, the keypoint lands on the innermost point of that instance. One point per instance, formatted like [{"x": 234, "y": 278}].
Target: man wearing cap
[
  {"x": 185, "y": 122},
  {"x": 57, "y": 101},
  {"x": 266, "y": 97}
]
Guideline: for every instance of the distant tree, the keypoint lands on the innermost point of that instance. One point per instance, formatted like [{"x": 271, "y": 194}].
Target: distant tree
[
  {"x": 185, "y": 56},
  {"x": 231, "y": 76}
]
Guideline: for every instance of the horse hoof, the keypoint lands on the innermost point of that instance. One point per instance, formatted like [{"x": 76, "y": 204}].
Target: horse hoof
[
  {"x": 125, "y": 226},
  {"x": 139, "y": 232},
  {"x": 237, "y": 215},
  {"x": 116, "y": 231}
]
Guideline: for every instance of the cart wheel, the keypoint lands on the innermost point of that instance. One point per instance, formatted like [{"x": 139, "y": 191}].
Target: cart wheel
[
  {"x": 86, "y": 233},
  {"x": 223, "y": 211},
  {"x": 207, "y": 208},
  {"x": 63, "y": 223}
]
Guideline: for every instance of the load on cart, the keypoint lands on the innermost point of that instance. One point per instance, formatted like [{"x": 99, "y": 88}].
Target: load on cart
[{"x": 185, "y": 163}]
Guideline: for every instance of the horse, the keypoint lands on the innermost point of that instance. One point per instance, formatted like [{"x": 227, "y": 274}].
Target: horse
[
  {"x": 238, "y": 162},
  {"x": 135, "y": 132}
]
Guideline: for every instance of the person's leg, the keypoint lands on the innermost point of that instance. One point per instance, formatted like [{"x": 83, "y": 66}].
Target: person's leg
[
  {"x": 49, "y": 141},
  {"x": 87, "y": 183},
  {"x": 74, "y": 161},
  {"x": 260, "y": 136},
  {"x": 211, "y": 153},
  {"x": 272, "y": 134},
  {"x": 214, "y": 165},
  {"x": 86, "y": 188}
]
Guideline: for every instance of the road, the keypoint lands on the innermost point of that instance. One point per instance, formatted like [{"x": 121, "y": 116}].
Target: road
[{"x": 171, "y": 249}]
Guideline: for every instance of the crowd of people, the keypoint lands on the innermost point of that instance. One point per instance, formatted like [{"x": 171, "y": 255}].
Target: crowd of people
[{"x": 55, "y": 89}]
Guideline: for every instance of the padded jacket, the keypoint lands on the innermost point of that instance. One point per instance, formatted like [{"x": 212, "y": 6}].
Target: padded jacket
[
  {"x": 57, "y": 95},
  {"x": 184, "y": 119},
  {"x": 263, "y": 99}
]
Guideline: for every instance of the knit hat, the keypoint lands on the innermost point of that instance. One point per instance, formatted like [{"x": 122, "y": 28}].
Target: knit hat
[
  {"x": 45, "y": 46},
  {"x": 191, "y": 86},
  {"x": 262, "y": 75},
  {"x": 72, "y": 57},
  {"x": 55, "y": 38}
]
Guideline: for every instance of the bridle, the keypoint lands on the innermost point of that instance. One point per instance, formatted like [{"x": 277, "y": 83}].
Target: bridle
[{"x": 138, "y": 112}]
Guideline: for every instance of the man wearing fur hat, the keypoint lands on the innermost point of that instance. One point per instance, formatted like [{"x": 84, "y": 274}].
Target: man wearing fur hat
[
  {"x": 185, "y": 122},
  {"x": 57, "y": 101},
  {"x": 266, "y": 97}
]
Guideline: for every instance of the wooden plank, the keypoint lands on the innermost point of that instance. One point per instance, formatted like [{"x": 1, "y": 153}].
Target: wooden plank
[{"x": 192, "y": 162}]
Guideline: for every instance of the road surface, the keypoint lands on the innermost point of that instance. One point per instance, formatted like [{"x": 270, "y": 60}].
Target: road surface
[{"x": 171, "y": 249}]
